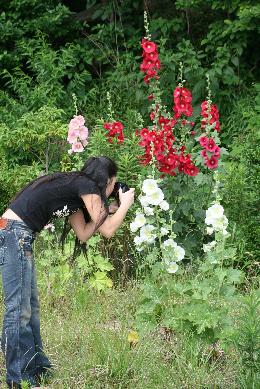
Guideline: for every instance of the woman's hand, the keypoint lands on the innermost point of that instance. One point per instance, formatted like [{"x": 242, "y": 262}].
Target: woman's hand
[
  {"x": 113, "y": 207},
  {"x": 127, "y": 198}
]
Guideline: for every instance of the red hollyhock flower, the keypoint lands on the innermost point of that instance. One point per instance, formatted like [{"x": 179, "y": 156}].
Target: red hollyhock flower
[
  {"x": 171, "y": 160},
  {"x": 151, "y": 63},
  {"x": 151, "y": 56},
  {"x": 190, "y": 169},
  {"x": 214, "y": 115},
  {"x": 114, "y": 129},
  {"x": 182, "y": 102},
  {"x": 144, "y": 133},
  {"x": 210, "y": 145},
  {"x": 204, "y": 153},
  {"x": 107, "y": 126},
  {"x": 148, "y": 46},
  {"x": 118, "y": 127},
  {"x": 167, "y": 169},
  {"x": 217, "y": 152},
  {"x": 203, "y": 141},
  {"x": 212, "y": 162}
]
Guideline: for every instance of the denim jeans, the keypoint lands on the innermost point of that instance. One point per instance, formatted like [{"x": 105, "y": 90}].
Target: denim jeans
[{"x": 21, "y": 340}]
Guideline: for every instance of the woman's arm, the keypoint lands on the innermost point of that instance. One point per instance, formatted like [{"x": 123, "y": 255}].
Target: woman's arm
[
  {"x": 82, "y": 229},
  {"x": 96, "y": 211}
]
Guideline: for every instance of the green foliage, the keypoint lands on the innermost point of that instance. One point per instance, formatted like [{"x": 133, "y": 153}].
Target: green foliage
[
  {"x": 59, "y": 272},
  {"x": 241, "y": 182},
  {"x": 198, "y": 304},
  {"x": 30, "y": 146},
  {"x": 245, "y": 336}
]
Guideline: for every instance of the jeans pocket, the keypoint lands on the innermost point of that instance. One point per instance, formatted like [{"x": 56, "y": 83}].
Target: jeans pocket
[{"x": 2, "y": 249}]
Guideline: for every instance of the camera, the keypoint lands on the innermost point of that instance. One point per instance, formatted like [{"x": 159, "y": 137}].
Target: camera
[{"x": 115, "y": 192}]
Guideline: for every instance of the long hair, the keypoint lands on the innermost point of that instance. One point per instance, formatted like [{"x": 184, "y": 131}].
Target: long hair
[{"x": 99, "y": 170}]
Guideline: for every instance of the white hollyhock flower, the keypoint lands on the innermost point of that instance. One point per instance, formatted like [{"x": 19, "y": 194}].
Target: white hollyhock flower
[
  {"x": 149, "y": 186},
  {"x": 225, "y": 233},
  {"x": 146, "y": 233},
  {"x": 216, "y": 211},
  {"x": 170, "y": 243},
  {"x": 164, "y": 205},
  {"x": 138, "y": 240},
  {"x": 134, "y": 227},
  {"x": 209, "y": 246},
  {"x": 144, "y": 201},
  {"x": 172, "y": 267},
  {"x": 210, "y": 230},
  {"x": 179, "y": 252},
  {"x": 164, "y": 231},
  {"x": 220, "y": 224},
  {"x": 148, "y": 211},
  {"x": 155, "y": 198},
  {"x": 140, "y": 219}
]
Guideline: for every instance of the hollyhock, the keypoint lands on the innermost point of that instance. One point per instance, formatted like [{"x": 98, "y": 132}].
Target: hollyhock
[
  {"x": 210, "y": 145},
  {"x": 182, "y": 102},
  {"x": 83, "y": 133},
  {"x": 151, "y": 63},
  {"x": 72, "y": 136},
  {"x": 164, "y": 205},
  {"x": 77, "y": 134},
  {"x": 114, "y": 130},
  {"x": 77, "y": 147},
  {"x": 172, "y": 267},
  {"x": 147, "y": 233},
  {"x": 210, "y": 115},
  {"x": 76, "y": 122},
  {"x": 155, "y": 198},
  {"x": 216, "y": 219},
  {"x": 149, "y": 186},
  {"x": 212, "y": 162},
  {"x": 148, "y": 46},
  {"x": 203, "y": 141}
]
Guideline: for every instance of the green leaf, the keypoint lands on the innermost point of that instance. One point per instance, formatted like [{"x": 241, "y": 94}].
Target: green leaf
[
  {"x": 100, "y": 281},
  {"x": 235, "y": 276}
]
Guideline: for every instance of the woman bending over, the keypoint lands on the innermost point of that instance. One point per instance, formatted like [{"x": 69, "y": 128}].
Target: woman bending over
[{"x": 73, "y": 195}]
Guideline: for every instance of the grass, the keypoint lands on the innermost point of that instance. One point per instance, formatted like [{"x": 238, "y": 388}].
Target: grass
[{"x": 86, "y": 337}]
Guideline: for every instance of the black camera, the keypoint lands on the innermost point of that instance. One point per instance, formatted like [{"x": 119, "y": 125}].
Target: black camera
[{"x": 115, "y": 192}]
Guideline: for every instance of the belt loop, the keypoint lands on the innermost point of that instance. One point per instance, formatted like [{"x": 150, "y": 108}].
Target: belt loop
[{"x": 3, "y": 223}]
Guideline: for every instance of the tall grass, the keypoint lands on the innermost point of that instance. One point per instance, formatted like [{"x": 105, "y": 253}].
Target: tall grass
[{"x": 86, "y": 337}]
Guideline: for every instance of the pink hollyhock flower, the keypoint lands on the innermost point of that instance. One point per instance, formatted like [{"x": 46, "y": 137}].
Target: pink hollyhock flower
[
  {"x": 84, "y": 142},
  {"x": 72, "y": 136},
  {"x": 83, "y": 133},
  {"x": 76, "y": 122},
  {"x": 77, "y": 147}
]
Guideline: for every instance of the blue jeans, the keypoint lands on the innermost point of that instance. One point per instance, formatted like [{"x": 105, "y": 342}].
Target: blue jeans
[{"x": 21, "y": 340}]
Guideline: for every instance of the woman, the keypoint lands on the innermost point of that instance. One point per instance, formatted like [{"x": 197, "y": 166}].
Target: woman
[{"x": 74, "y": 195}]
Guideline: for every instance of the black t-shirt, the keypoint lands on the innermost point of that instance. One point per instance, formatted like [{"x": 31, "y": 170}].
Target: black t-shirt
[{"x": 57, "y": 198}]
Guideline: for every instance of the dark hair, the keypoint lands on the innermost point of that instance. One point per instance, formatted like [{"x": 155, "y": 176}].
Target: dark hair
[{"x": 98, "y": 169}]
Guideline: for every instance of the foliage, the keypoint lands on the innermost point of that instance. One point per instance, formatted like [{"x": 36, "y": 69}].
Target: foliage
[
  {"x": 59, "y": 272},
  {"x": 241, "y": 181},
  {"x": 245, "y": 336},
  {"x": 30, "y": 146}
]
